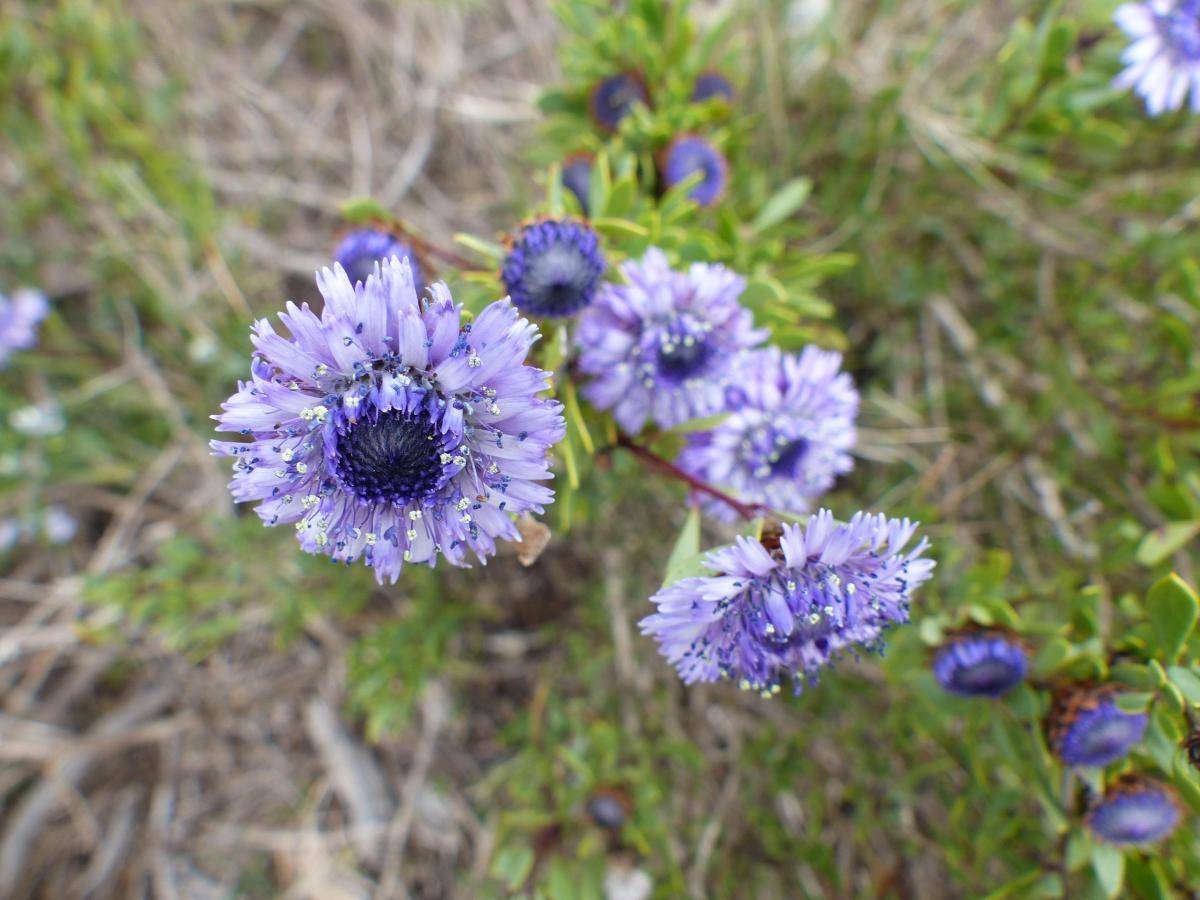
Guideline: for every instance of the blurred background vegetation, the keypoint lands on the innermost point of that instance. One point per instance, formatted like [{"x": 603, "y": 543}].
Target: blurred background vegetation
[{"x": 947, "y": 190}]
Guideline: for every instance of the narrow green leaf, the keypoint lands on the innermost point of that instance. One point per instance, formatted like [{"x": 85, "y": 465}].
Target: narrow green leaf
[
  {"x": 1165, "y": 540},
  {"x": 619, "y": 227},
  {"x": 931, "y": 631},
  {"x": 1053, "y": 654},
  {"x": 1185, "y": 782},
  {"x": 512, "y": 865},
  {"x": 1187, "y": 681},
  {"x": 575, "y": 414},
  {"x": 1141, "y": 677},
  {"x": 1134, "y": 701},
  {"x": 1109, "y": 865},
  {"x": 685, "y": 555},
  {"x": 599, "y": 183},
  {"x": 486, "y": 249},
  {"x": 554, "y": 191},
  {"x": 782, "y": 204},
  {"x": 1147, "y": 879},
  {"x": 621, "y": 198},
  {"x": 1018, "y": 887},
  {"x": 704, "y": 423},
  {"x": 1173, "y": 609},
  {"x": 567, "y": 451}
]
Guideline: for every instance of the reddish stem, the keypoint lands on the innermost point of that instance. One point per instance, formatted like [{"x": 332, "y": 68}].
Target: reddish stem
[{"x": 648, "y": 456}]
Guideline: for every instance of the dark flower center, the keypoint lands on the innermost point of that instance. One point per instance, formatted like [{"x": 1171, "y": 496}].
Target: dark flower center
[
  {"x": 789, "y": 457},
  {"x": 559, "y": 280},
  {"x": 394, "y": 458},
  {"x": 684, "y": 356},
  {"x": 1110, "y": 736},
  {"x": 985, "y": 677}
]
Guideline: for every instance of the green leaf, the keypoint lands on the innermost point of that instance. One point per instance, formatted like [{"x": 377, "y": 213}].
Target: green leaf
[
  {"x": 1109, "y": 865},
  {"x": 1059, "y": 42},
  {"x": 1141, "y": 677},
  {"x": 782, "y": 204},
  {"x": 1173, "y": 609},
  {"x": 622, "y": 198},
  {"x": 931, "y": 631},
  {"x": 1185, "y": 782},
  {"x": 486, "y": 249},
  {"x": 1053, "y": 654},
  {"x": 764, "y": 290},
  {"x": 618, "y": 228},
  {"x": 1187, "y": 681},
  {"x": 364, "y": 210},
  {"x": 575, "y": 416},
  {"x": 1147, "y": 879},
  {"x": 1134, "y": 701},
  {"x": 1165, "y": 540},
  {"x": 1018, "y": 887},
  {"x": 554, "y": 191},
  {"x": 685, "y": 557},
  {"x": 599, "y": 183},
  {"x": 704, "y": 423},
  {"x": 566, "y": 449},
  {"x": 512, "y": 865}
]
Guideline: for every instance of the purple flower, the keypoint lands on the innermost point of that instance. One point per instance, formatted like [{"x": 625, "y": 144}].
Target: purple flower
[
  {"x": 662, "y": 345},
  {"x": 20, "y": 316},
  {"x": 1162, "y": 64},
  {"x": 361, "y": 248},
  {"x": 1136, "y": 810},
  {"x": 787, "y": 608},
  {"x": 577, "y": 177},
  {"x": 980, "y": 664},
  {"x": 712, "y": 84},
  {"x": 614, "y": 97},
  {"x": 691, "y": 153},
  {"x": 553, "y": 267},
  {"x": 788, "y": 435},
  {"x": 390, "y": 430},
  {"x": 1087, "y": 728}
]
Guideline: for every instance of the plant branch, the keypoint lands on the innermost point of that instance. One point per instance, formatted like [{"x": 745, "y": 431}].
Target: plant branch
[
  {"x": 666, "y": 467},
  {"x": 445, "y": 254}
]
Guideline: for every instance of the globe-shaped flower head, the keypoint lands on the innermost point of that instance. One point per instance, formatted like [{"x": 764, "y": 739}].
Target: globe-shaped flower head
[
  {"x": 787, "y": 607},
  {"x": 661, "y": 346},
  {"x": 788, "y": 436},
  {"x": 690, "y": 153},
  {"x": 20, "y": 316},
  {"x": 980, "y": 664},
  {"x": 613, "y": 98},
  {"x": 361, "y": 248},
  {"x": 553, "y": 267},
  {"x": 1087, "y": 728},
  {"x": 390, "y": 430},
  {"x": 712, "y": 84},
  {"x": 577, "y": 177},
  {"x": 1135, "y": 811},
  {"x": 1162, "y": 64}
]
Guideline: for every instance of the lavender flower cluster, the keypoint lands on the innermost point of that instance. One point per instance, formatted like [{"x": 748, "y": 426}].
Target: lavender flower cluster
[{"x": 388, "y": 428}]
